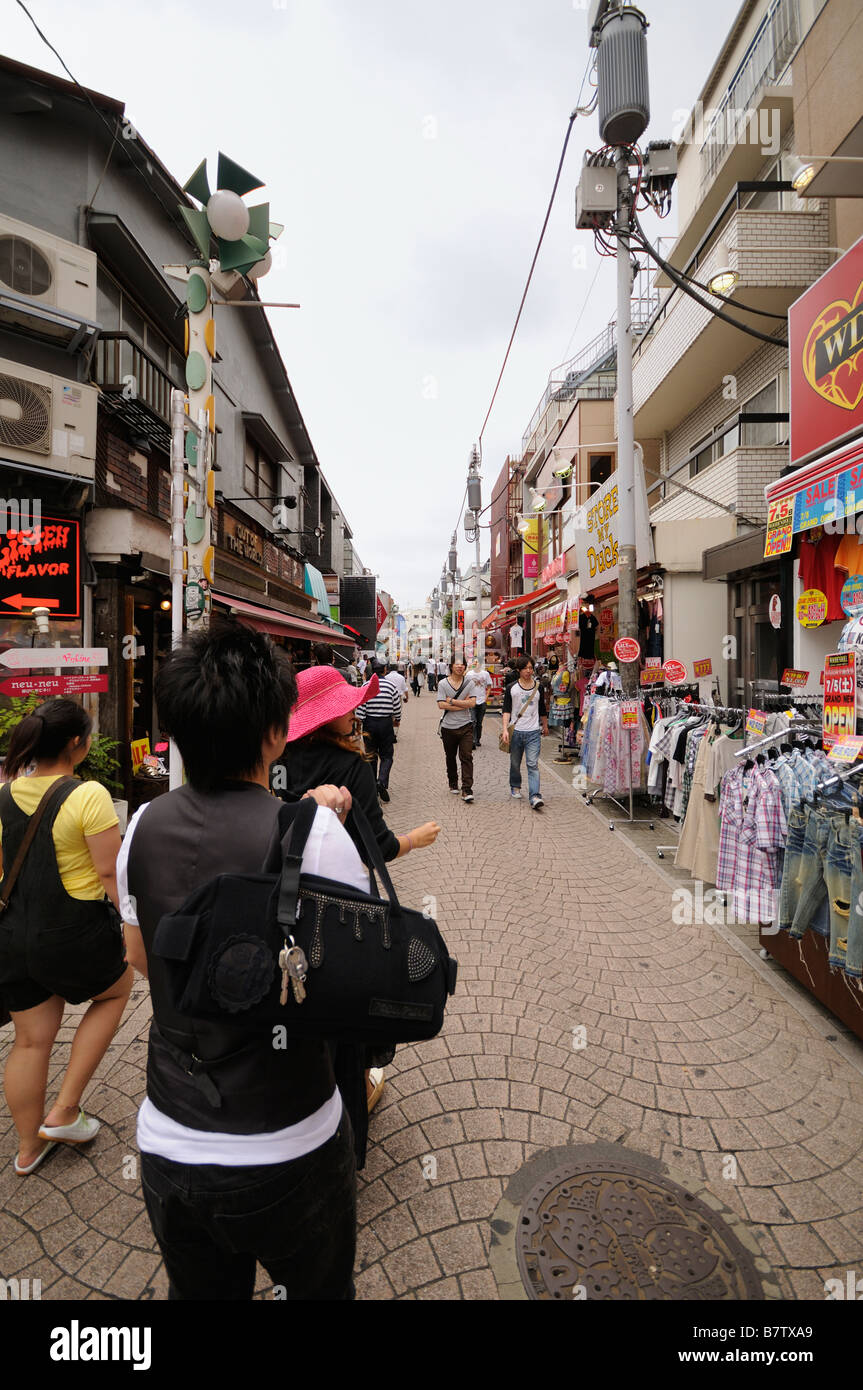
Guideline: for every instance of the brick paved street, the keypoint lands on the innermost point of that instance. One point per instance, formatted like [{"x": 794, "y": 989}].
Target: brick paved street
[{"x": 692, "y": 1054}]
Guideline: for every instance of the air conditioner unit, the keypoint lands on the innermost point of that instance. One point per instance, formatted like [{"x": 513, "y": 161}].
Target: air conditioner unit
[
  {"x": 47, "y": 419},
  {"x": 53, "y": 273}
]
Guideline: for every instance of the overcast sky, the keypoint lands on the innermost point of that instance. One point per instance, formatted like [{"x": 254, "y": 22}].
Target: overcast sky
[{"x": 410, "y": 149}]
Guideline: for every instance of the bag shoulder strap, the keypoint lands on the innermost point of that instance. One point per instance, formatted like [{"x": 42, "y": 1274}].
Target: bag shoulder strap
[{"x": 62, "y": 785}]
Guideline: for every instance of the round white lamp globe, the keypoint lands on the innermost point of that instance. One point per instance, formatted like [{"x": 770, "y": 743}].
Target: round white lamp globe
[
  {"x": 228, "y": 215},
  {"x": 261, "y": 267}
]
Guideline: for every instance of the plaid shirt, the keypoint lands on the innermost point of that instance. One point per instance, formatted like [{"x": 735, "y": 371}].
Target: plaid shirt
[{"x": 752, "y": 837}]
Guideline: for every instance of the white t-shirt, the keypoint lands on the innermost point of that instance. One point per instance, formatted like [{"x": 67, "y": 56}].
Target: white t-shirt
[
  {"x": 397, "y": 679},
  {"x": 481, "y": 684},
  {"x": 329, "y": 853}
]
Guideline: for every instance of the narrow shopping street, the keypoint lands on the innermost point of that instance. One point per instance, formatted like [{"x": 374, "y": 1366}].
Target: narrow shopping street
[{"x": 583, "y": 1017}]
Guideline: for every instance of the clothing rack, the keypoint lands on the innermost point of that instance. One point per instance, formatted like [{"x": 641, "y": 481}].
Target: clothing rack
[
  {"x": 804, "y": 728},
  {"x": 683, "y": 706},
  {"x": 589, "y": 797}
]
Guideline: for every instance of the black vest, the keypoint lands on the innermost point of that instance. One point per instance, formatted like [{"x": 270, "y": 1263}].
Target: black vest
[{"x": 206, "y": 1075}]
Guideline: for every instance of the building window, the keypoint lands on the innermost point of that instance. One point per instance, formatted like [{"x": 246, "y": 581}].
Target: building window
[
  {"x": 119, "y": 314},
  {"x": 710, "y": 453},
  {"x": 600, "y": 468},
  {"x": 765, "y": 402},
  {"x": 259, "y": 477}
]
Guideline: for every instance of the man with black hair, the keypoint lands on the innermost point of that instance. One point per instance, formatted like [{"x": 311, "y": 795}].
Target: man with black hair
[
  {"x": 380, "y": 717},
  {"x": 246, "y": 1152}
]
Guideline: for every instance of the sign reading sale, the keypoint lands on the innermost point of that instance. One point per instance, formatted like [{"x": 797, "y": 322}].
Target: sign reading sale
[{"x": 840, "y": 697}]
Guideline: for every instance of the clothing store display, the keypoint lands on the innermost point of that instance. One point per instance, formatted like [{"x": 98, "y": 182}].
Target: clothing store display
[
  {"x": 587, "y": 626},
  {"x": 849, "y": 555},
  {"x": 561, "y": 709},
  {"x": 613, "y": 753},
  {"x": 817, "y": 569}
]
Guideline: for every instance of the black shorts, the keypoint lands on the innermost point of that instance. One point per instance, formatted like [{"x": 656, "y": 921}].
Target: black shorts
[{"x": 76, "y": 962}]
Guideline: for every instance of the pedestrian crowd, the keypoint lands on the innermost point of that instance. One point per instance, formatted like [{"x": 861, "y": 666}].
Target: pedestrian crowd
[{"x": 249, "y": 1151}]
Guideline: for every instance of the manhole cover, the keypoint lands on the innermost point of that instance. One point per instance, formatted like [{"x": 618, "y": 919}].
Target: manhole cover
[{"x": 601, "y": 1231}]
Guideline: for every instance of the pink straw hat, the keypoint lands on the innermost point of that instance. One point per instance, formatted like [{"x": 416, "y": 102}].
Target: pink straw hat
[{"x": 325, "y": 695}]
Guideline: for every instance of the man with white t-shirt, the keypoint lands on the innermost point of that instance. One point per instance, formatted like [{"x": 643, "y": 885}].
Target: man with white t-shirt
[
  {"x": 481, "y": 682},
  {"x": 246, "y": 1151}
]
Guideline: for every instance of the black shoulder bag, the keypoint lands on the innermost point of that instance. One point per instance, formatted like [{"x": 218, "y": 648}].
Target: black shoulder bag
[{"x": 317, "y": 957}]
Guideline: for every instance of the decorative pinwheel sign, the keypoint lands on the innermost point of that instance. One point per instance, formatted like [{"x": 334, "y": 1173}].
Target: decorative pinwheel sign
[{"x": 243, "y": 233}]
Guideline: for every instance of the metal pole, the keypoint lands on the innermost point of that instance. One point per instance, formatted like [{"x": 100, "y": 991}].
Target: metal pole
[
  {"x": 178, "y": 468},
  {"x": 628, "y": 572}
]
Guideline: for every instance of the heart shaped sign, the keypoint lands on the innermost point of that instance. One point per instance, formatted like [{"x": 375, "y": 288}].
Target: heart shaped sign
[{"x": 843, "y": 386}]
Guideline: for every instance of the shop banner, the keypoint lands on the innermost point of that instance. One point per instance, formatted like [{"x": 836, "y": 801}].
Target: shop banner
[
  {"x": 25, "y": 658},
  {"x": 780, "y": 528},
  {"x": 140, "y": 750},
  {"x": 847, "y": 750},
  {"x": 811, "y": 608},
  {"x": 797, "y": 679},
  {"x": 840, "y": 698},
  {"x": 41, "y": 567},
  {"x": 629, "y": 715},
  {"x": 825, "y": 357},
  {"x": 597, "y": 533},
  {"x": 549, "y": 624},
  {"x": 530, "y": 548},
  {"x": 702, "y": 670},
  {"x": 54, "y": 685}
]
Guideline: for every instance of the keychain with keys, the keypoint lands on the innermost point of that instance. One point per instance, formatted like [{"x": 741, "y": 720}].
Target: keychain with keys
[{"x": 294, "y": 968}]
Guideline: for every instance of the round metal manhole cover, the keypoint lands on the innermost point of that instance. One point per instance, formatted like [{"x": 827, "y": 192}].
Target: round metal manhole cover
[{"x": 591, "y": 1231}]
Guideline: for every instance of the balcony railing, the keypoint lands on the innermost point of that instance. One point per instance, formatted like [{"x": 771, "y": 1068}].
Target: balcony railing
[
  {"x": 771, "y": 50},
  {"x": 125, "y": 369}
]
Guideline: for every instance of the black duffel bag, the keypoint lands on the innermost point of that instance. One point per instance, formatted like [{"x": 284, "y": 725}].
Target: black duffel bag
[{"x": 374, "y": 971}]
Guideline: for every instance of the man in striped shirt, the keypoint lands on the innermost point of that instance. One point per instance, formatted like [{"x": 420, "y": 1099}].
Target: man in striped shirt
[{"x": 380, "y": 717}]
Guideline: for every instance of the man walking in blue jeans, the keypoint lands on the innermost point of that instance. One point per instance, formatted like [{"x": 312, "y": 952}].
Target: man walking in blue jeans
[{"x": 525, "y": 721}]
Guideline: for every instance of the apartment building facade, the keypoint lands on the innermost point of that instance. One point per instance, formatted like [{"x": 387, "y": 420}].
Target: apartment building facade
[
  {"x": 714, "y": 400},
  {"x": 91, "y": 345}
]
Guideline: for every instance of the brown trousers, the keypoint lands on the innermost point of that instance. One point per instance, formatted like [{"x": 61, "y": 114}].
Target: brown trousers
[{"x": 459, "y": 741}]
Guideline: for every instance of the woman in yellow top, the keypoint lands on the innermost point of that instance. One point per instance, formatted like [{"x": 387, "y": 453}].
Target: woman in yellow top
[{"x": 60, "y": 939}]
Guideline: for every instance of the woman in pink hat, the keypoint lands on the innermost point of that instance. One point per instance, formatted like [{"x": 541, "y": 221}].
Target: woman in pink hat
[{"x": 324, "y": 747}]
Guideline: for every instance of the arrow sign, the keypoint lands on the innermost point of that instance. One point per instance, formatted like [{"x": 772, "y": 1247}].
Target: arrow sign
[
  {"x": 28, "y": 658},
  {"x": 18, "y": 601}
]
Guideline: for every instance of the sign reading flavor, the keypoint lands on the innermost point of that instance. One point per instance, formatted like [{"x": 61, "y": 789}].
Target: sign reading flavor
[
  {"x": 811, "y": 608},
  {"x": 840, "y": 698}
]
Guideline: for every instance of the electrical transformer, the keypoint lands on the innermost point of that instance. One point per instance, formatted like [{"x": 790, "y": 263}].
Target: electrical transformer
[{"x": 624, "y": 92}]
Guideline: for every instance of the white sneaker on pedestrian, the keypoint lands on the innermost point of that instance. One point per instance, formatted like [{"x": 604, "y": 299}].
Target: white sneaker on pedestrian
[
  {"x": 537, "y": 803},
  {"x": 81, "y": 1132},
  {"x": 454, "y": 791},
  {"x": 467, "y": 796},
  {"x": 515, "y": 794}
]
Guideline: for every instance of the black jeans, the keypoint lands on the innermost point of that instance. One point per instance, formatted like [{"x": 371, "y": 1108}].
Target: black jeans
[
  {"x": 299, "y": 1219},
  {"x": 379, "y": 733},
  {"x": 478, "y": 717},
  {"x": 459, "y": 741}
]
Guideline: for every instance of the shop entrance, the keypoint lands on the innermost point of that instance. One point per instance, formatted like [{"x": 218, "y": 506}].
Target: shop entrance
[{"x": 759, "y": 650}]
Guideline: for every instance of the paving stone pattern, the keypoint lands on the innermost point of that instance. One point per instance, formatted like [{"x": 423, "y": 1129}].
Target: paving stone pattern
[{"x": 690, "y": 1055}]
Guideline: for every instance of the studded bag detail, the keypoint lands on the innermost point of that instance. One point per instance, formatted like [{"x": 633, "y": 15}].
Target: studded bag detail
[{"x": 319, "y": 958}]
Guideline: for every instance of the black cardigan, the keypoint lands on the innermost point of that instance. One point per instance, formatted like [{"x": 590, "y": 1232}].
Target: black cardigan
[{"x": 313, "y": 763}]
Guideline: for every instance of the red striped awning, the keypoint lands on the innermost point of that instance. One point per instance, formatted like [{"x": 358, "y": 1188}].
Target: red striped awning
[
  {"x": 521, "y": 603},
  {"x": 283, "y": 624}
]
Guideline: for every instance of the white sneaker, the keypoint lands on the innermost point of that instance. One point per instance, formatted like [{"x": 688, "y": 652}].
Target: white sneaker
[
  {"x": 515, "y": 794},
  {"x": 537, "y": 803},
  {"x": 81, "y": 1132}
]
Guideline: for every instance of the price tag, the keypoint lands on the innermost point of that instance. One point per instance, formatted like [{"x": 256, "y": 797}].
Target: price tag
[
  {"x": 629, "y": 715},
  {"x": 701, "y": 670},
  {"x": 795, "y": 678},
  {"x": 756, "y": 723},
  {"x": 652, "y": 675},
  {"x": 847, "y": 750}
]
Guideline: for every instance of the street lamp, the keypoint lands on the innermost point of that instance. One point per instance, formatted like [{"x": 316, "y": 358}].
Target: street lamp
[
  {"x": 724, "y": 279},
  {"x": 803, "y": 167}
]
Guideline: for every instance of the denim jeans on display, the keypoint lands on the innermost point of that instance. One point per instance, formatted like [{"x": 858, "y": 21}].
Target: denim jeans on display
[
  {"x": 789, "y": 895},
  {"x": 854, "y": 953},
  {"x": 529, "y": 742},
  {"x": 826, "y": 863},
  {"x": 298, "y": 1219}
]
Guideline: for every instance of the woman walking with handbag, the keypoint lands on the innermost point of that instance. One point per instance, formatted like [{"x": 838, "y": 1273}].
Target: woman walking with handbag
[
  {"x": 525, "y": 722},
  {"x": 324, "y": 747},
  {"x": 60, "y": 938}
]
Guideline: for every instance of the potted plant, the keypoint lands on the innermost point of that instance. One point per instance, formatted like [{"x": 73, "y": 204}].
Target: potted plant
[{"x": 100, "y": 765}]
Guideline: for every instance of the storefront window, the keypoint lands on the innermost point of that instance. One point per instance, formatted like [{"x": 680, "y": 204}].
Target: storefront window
[{"x": 600, "y": 468}]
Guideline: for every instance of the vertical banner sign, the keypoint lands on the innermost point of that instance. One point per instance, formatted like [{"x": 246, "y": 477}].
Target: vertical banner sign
[
  {"x": 780, "y": 527},
  {"x": 530, "y": 549},
  {"x": 840, "y": 697}
]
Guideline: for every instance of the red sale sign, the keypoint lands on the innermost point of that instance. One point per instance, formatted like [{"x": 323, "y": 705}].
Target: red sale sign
[
  {"x": 675, "y": 672},
  {"x": 627, "y": 649}
]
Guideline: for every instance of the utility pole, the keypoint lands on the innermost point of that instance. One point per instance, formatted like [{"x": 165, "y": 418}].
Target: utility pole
[
  {"x": 627, "y": 583},
  {"x": 471, "y": 524}
]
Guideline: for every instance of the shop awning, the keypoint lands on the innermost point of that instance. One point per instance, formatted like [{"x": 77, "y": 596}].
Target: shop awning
[
  {"x": 283, "y": 624},
  {"x": 829, "y": 489},
  {"x": 521, "y": 603},
  {"x": 549, "y": 624},
  {"x": 317, "y": 589}
]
